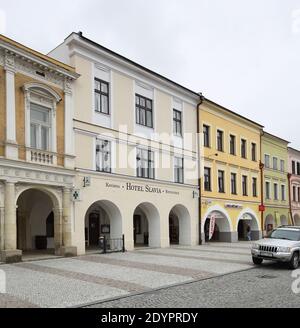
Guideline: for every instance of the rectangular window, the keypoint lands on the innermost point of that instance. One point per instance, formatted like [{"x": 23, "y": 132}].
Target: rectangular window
[
  {"x": 101, "y": 96},
  {"x": 275, "y": 163},
  {"x": 267, "y": 190},
  {"x": 294, "y": 194},
  {"x": 233, "y": 184},
  {"x": 177, "y": 122},
  {"x": 298, "y": 194},
  {"x": 293, "y": 167},
  {"x": 267, "y": 161},
  {"x": 243, "y": 148},
  {"x": 221, "y": 181},
  {"x": 220, "y": 144},
  {"x": 40, "y": 127},
  {"x": 207, "y": 179},
  {"x": 254, "y": 187},
  {"x": 282, "y": 165},
  {"x": 283, "y": 192},
  {"x": 178, "y": 169},
  {"x": 275, "y": 191},
  {"x": 145, "y": 163},
  {"x": 244, "y": 185},
  {"x": 298, "y": 168},
  {"x": 206, "y": 135},
  {"x": 253, "y": 151},
  {"x": 144, "y": 111},
  {"x": 232, "y": 145},
  {"x": 103, "y": 156}
]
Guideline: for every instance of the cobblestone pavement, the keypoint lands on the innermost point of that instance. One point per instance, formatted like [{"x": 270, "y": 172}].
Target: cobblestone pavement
[
  {"x": 67, "y": 282},
  {"x": 266, "y": 287}
]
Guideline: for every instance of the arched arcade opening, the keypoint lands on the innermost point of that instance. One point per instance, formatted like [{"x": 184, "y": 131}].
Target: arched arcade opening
[{"x": 179, "y": 226}]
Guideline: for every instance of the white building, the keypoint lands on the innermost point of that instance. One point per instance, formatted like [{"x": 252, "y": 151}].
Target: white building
[{"x": 136, "y": 151}]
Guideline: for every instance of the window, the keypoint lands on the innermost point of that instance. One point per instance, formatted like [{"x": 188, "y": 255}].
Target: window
[
  {"x": 282, "y": 192},
  {"x": 244, "y": 185},
  {"x": 144, "y": 114},
  {"x": 220, "y": 146},
  {"x": 294, "y": 194},
  {"x": 275, "y": 163},
  {"x": 267, "y": 161},
  {"x": 207, "y": 179},
  {"x": 298, "y": 194},
  {"x": 103, "y": 156},
  {"x": 282, "y": 165},
  {"x": 253, "y": 151},
  {"x": 221, "y": 181},
  {"x": 243, "y": 148},
  {"x": 206, "y": 133},
  {"x": 254, "y": 187},
  {"x": 232, "y": 145},
  {"x": 233, "y": 184},
  {"x": 275, "y": 191},
  {"x": 178, "y": 169},
  {"x": 293, "y": 167},
  {"x": 101, "y": 96},
  {"x": 177, "y": 122},
  {"x": 145, "y": 163},
  {"x": 40, "y": 127},
  {"x": 267, "y": 190},
  {"x": 298, "y": 168}
]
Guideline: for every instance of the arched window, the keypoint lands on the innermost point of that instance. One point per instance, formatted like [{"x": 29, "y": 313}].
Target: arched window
[{"x": 40, "y": 118}]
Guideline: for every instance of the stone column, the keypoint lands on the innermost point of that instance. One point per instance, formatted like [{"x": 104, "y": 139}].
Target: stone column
[
  {"x": 2, "y": 228},
  {"x": 11, "y": 149},
  {"x": 10, "y": 253},
  {"x": 67, "y": 248},
  {"x": 69, "y": 133}
]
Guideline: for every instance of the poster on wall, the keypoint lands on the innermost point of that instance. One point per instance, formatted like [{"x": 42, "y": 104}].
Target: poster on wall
[{"x": 212, "y": 224}]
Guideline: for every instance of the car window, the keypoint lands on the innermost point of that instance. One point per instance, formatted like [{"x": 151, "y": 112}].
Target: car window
[{"x": 285, "y": 234}]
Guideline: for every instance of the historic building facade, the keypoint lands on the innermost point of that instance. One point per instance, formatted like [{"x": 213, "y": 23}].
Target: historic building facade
[
  {"x": 230, "y": 173},
  {"x": 276, "y": 188},
  {"x": 36, "y": 152},
  {"x": 136, "y": 151},
  {"x": 294, "y": 184}
]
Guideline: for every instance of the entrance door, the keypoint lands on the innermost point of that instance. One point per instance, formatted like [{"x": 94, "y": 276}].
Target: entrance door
[
  {"x": 136, "y": 226},
  {"x": 241, "y": 230},
  {"x": 94, "y": 227},
  {"x": 173, "y": 231}
]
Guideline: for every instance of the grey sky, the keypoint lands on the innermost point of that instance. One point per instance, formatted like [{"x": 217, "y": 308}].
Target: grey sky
[{"x": 242, "y": 54}]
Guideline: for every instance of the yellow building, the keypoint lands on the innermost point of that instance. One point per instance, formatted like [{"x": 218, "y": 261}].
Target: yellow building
[
  {"x": 230, "y": 173},
  {"x": 36, "y": 152}
]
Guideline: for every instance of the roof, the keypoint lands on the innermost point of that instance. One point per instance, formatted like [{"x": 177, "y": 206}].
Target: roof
[
  {"x": 129, "y": 61},
  {"x": 37, "y": 54},
  {"x": 276, "y": 137},
  {"x": 233, "y": 113},
  {"x": 294, "y": 149}
]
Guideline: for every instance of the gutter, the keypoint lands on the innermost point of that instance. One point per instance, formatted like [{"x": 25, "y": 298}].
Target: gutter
[
  {"x": 289, "y": 175},
  {"x": 261, "y": 167},
  {"x": 199, "y": 167}
]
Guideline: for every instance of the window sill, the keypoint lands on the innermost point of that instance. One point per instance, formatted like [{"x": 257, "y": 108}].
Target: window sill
[
  {"x": 145, "y": 126},
  {"x": 101, "y": 113}
]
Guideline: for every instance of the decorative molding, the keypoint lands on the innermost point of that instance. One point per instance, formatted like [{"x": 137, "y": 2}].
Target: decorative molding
[{"x": 9, "y": 61}]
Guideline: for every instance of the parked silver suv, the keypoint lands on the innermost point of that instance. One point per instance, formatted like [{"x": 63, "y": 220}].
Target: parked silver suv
[{"x": 282, "y": 245}]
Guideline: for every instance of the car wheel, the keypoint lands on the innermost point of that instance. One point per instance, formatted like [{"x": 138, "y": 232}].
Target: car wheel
[
  {"x": 294, "y": 262},
  {"x": 257, "y": 260}
]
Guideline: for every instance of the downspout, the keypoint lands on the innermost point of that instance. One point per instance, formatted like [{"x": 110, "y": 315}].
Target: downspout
[
  {"x": 199, "y": 166},
  {"x": 290, "y": 198},
  {"x": 261, "y": 167}
]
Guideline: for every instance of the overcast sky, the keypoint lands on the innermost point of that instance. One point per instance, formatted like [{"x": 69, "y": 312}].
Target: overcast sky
[{"x": 243, "y": 54}]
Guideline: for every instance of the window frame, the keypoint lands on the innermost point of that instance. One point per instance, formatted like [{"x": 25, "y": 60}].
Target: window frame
[
  {"x": 243, "y": 141},
  {"x": 104, "y": 94},
  {"x": 139, "y": 107},
  {"x": 208, "y": 145},
  {"x": 253, "y": 151},
  {"x": 109, "y": 152},
  {"x": 234, "y": 145},
  {"x": 221, "y": 190},
  {"x": 245, "y": 184},
  {"x": 254, "y": 187},
  {"x": 176, "y": 167},
  {"x": 233, "y": 190},
  {"x": 221, "y": 149},
  {"x": 149, "y": 160},
  {"x": 209, "y": 179},
  {"x": 177, "y": 121}
]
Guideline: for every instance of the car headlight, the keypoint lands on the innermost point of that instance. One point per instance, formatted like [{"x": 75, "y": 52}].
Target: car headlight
[
  {"x": 255, "y": 246},
  {"x": 284, "y": 249}
]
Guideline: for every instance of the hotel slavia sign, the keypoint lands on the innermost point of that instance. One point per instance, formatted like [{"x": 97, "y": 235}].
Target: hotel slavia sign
[{"x": 132, "y": 187}]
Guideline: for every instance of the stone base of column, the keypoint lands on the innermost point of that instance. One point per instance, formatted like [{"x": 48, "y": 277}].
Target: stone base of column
[
  {"x": 11, "y": 256},
  {"x": 66, "y": 251}
]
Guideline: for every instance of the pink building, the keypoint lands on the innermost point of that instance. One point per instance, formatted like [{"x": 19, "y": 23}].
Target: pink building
[{"x": 294, "y": 180}]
